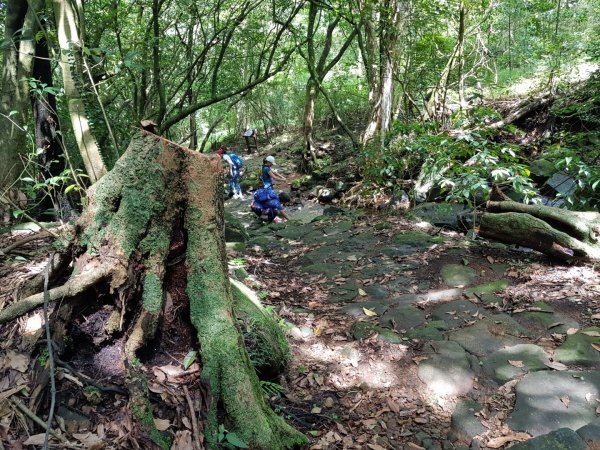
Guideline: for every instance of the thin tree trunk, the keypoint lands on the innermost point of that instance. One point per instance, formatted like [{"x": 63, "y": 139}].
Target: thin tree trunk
[
  {"x": 20, "y": 25},
  {"x": 68, "y": 28}
]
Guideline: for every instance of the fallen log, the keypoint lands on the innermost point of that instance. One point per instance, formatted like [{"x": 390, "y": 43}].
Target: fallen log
[
  {"x": 523, "y": 109},
  {"x": 559, "y": 233}
]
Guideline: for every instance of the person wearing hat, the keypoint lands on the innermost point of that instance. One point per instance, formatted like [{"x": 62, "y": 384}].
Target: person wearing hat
[
  {"x": 267, "y": 174},
  {"x": 234, "y": 163}
]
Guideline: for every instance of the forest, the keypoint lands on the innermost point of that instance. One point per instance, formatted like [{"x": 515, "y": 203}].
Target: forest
[{"x": 429, "y": 278}]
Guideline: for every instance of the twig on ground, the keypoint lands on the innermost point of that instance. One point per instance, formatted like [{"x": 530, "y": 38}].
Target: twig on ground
[
  {"x": 50, "y": 354},
  {"x": 194, "y": 419},
  {"x": 25, "y": 410},
  {"x": 33, "y": 237}
]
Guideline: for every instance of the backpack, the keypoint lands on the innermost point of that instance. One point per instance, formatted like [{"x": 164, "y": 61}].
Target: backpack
[
  {"x": 264, "y": 195},
  {"x": 236, "y": 160}
]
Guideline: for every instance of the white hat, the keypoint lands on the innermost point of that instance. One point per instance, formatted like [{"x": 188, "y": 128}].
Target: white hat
[{"x": 270, "y": 159}]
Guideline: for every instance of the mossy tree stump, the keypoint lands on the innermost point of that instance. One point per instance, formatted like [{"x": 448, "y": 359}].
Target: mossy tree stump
[
  {"x": 562, "y": 234},
  {"x": 156, "y": 191}
]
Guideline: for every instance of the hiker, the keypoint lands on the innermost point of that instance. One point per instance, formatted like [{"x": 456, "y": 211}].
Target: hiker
[
  {"x": 235, "y": 164},
  {"x": 250, "y": 138},
  {"x": 267, "y": 174},
  {"x": 267, "y": 204}
]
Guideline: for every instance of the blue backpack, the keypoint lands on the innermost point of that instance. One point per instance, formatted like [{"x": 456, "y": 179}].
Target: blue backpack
[
  {"x": 264, "y": 195},
  {"x": 236, "y": 160}
]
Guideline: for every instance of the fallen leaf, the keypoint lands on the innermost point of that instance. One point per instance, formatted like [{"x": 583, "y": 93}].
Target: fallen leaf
[
  {"x": 316, "y": 410},
  {"x": 17, "y": 361},
  {"x": 361, "y": 292},
  {"x": 490, "y": 260},
  {"x": 500, "y": 441},
  {"x": 36, "y": 439},
  {"x": 375, "y": 447},
  {"x": 555, "y": 365},
  {"x": 572, "y": 331},
  {"x": 591, "y": 333},
  {"x": 162, "y": 424},
  {"x": 555, "y": 324},
  {"x": 417, "y": 359},
  {"x": 183, "y": 440},
  {"x": 420, "y": 420},
  {"x": 596, "y": 346},
  {"x": 518, "y": 364},
  {"x": 90, "y": 440},
  {"x": 369, "y": 312},
  {"x": 565, "y": 401}
]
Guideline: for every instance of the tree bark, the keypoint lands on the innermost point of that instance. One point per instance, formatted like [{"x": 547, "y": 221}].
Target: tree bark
[
  {"x": 68, "y": 30},
  {"x": 160, "y": 197},
  {"x": 19, "y": 48}
]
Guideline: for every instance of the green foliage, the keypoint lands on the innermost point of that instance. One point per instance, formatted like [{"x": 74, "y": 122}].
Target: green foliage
[
  {"x": 230, "y": 440},
  {"x": 464, "y": 167},
  {"x": 583, "y": 168},
  {"x": 271, "y": 389}
]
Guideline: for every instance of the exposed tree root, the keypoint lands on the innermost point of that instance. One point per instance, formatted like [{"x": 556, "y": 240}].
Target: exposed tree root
[{"x": 72, "y": 288}]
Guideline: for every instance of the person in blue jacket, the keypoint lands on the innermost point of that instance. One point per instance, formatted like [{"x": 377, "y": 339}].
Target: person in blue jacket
[
  {"x": 267, "y": 174},
  {"x": 268, "y": 204}
]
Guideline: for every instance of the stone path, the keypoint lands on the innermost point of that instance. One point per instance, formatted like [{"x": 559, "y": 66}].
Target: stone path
[{"x": 464, "y": 314}]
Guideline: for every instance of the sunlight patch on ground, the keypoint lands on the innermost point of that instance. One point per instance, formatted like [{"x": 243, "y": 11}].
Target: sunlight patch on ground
[
  {"x": 349, "y": 367},
  {"x": 33, "y": 324}
]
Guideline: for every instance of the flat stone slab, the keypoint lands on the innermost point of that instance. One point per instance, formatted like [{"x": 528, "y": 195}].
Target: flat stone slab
[
  {"x": 539, "y": 409},
  {"x": 402, "y": 317},
  {"x": 447, "y": 370},
  {"x": 431, "y": 331},
  {"x": 457, "y": 275},
  {"x": 464, "y": 422},
  {"x": 355, "y": 309},
  {"x": 590, "y": 434},
  {"x": 296, "y": 232},
  {"x": 546, "y": 320},
  {"x": 577, "y": 349},
  {"x": 342, "y": 293},
  {"x": 329, "y": 270},
  {"x": 490, "y": 287},
  {"x": 488, "y": 335},
  {"x": 561, "y": 439},
  {"x": 460, "y": 309},
  {"x": 363, "y": 329},
  {"x": 498, "y": 365}
]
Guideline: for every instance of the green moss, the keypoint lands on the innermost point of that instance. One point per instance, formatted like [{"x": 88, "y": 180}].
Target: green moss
[
  {"x": 153, "y": 294},
  {"x": 143, "y": 413},
  {"x": 225, "y": 363}
]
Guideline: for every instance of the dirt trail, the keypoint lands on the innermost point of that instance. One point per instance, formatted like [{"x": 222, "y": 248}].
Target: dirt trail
[{"x": 409, "y": 336}]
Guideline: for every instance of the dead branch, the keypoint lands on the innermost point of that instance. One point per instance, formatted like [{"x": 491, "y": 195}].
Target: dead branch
[{"x": 523, "y": 109}]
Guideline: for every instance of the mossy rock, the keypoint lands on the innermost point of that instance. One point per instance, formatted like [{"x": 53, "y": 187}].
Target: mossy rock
[
  {"x": 577, "y": 349},
  {"x": 382, "y": 226},
  {"x": 457, "y": 275},
  {"x": 234, "y": 229},
  {"x": 265, "y": 341},
  {"x": 488, "y": 288},
  {"x": 304, "y": 181},
  {"x": 362, "y": 330}
]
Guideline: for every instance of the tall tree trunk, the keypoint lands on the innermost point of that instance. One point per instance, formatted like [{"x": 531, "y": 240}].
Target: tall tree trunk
[
  {"x": 19, "y": 30},
  {"x": 381, "y": 50},
  {"x": 309, "y": 116},
  {"x": 68, "y": 30}
]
